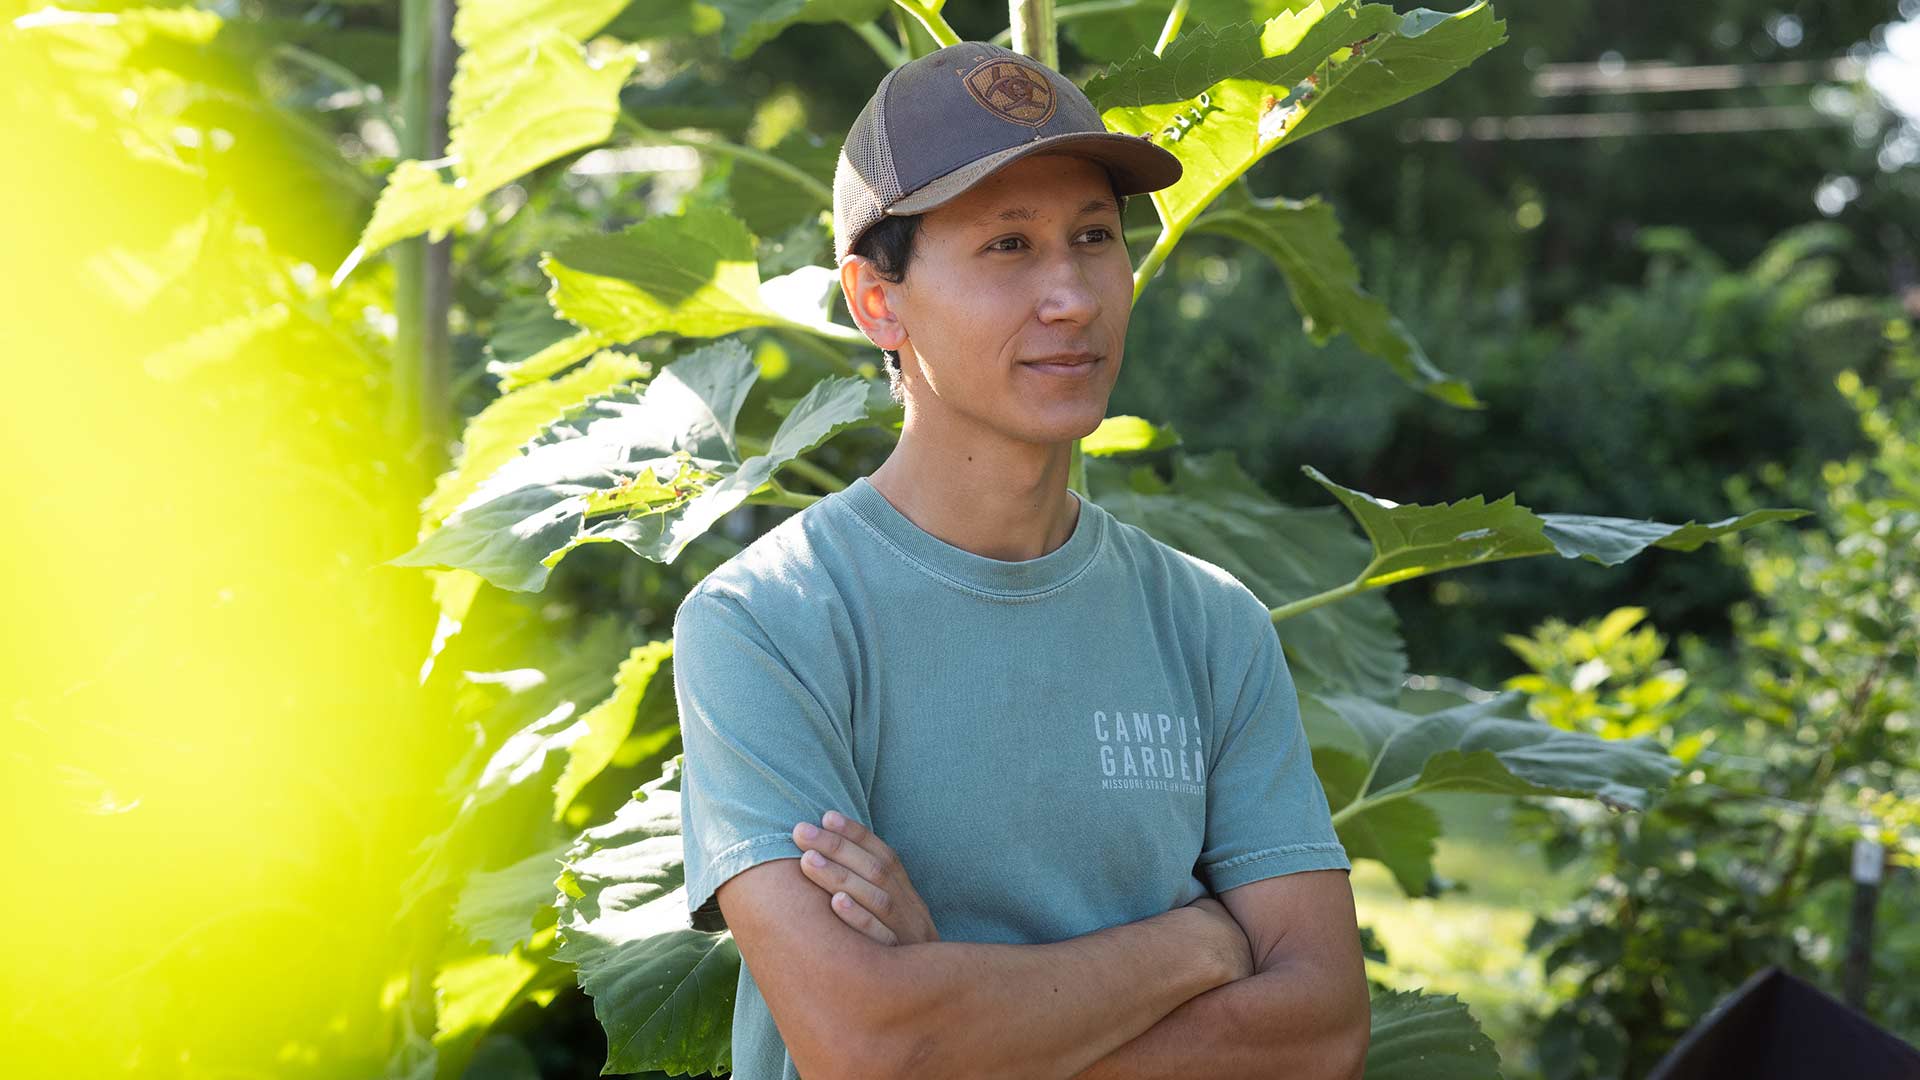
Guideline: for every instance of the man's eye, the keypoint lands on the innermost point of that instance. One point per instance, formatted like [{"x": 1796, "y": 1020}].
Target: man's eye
[{"x": 1100, "y": 233}]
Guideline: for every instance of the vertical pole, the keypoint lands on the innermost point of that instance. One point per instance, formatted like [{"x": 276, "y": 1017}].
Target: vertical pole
[
  {"x": 418, "y": 412},
  {"x": 1869, "y": 866},
  {"x": 1032, "y": 24}
]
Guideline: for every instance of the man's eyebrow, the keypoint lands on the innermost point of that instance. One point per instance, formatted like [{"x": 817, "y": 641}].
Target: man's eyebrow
[{"x": 1026, "y": 213}]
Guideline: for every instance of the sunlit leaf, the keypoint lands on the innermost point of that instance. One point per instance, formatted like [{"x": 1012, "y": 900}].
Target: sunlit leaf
[
  {"x": 691, "y": 274},
  {"x": 497, "y": 908},
  {"x": 659, "y": 467},
  {"x": 752, "y": 23},
  {"x": 610, "y": 722},
  {"x": 1128, "y": 435},
  {"x": 498, "y": 431},
  {"x": 1110, "y": 35},
  {"x": 1359, "y": 58},
  {"x": 534, "y": 96}
]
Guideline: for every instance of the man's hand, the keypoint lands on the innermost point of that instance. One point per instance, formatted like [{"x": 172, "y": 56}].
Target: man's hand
[{"x": 868, "y": 885}]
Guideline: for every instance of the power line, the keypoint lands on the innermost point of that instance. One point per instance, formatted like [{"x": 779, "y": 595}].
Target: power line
[
  {"x": 1618, "y": 124},
  {"x": 1659, "y": 77}
]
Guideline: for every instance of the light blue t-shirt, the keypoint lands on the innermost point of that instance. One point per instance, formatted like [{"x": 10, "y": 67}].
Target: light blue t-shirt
[{"x": 1052, "y": 746}]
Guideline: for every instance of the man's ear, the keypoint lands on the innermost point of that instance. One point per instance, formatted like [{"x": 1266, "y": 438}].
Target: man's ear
[{"x": 866, "y": 294}]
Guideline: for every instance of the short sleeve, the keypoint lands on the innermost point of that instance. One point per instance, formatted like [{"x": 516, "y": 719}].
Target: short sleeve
[
  {"x": 762, "y": 750},
  {"x": 1267, "y": 814}
]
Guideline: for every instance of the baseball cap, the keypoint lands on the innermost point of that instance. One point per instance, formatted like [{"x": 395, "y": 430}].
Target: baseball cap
[{"x": 939, "y": 124}]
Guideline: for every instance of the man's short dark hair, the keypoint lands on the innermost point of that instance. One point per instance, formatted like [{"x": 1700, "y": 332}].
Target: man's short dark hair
[{"x": 889, "y": 243}]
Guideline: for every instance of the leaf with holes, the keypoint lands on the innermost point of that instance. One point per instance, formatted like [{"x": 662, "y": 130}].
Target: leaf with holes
[{"x": 659, "y": 467}]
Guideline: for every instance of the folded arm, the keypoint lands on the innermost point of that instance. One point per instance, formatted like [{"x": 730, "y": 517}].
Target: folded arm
[
  {"x": 1303, "y": 1012},
  {"x": 848, "y": 1006}
]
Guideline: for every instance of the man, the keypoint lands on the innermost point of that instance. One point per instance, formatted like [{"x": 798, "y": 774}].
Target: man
[{"x": 1084, "y": 744}]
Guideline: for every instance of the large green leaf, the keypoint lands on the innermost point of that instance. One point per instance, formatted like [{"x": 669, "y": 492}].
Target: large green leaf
[
  {"x": 1222, "y": 97},
  {"x": 1214, "y": 511},
  {"x": 1302, "y": 238},
  {"x": 752, "y": 23},
  {"x": 1412, "y": 541},
  {"x": 657, "y": 468},
  {"x": 610, "y": 722},
  {"x": 662, "y": 990},
  {"x": 497, "y": 432},
  {"x": 500, "y": 908},
  {"x": 505, "y": 784},
  {"x": 1360, "y": 58},
  {"x": 691, "y": 274},
  {"x": 1373, "y": 756},
  {"x": 505, "y": 121},
  {"x": 1112, "y": 35},
  {"x": 1419, "y": 1036}
]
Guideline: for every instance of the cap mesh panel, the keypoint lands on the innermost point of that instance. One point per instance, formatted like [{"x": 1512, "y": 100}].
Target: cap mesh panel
[{"x": 864, "y": 182}]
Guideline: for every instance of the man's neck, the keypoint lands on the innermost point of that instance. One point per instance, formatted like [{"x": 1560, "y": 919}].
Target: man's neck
[{"x": 1009, "y": 503}]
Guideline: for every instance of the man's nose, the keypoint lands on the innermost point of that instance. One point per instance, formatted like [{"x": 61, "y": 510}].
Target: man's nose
[{"x": 1067, "y": 293}]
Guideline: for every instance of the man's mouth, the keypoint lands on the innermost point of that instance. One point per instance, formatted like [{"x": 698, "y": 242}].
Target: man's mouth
[{"x": 1069, "y": 364}]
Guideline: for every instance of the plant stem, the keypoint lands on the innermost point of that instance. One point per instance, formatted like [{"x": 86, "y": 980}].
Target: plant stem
[
  {"x": 807, "y": 336},
  {"x": 1174, "y": 18},
  {"x": 1308, "y": 603},
  {"x": 1032, "y": 25},
  {"x": 820, "y": 476},
  {"x": 775, "y": 495},
  {"x": 820, "y": 192},
  {"x": 1162, "y": 247},
  {"x": 1071, "y": 11},
  {"x": 929, "y": 16},
  {"x": 891, "y": 52}
]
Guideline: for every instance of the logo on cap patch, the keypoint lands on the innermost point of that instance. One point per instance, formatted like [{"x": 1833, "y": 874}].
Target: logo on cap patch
[{"x": 1011, "y": 90}]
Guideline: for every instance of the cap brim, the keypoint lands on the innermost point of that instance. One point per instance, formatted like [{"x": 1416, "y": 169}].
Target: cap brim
[{"x": 1137, "y": 165}]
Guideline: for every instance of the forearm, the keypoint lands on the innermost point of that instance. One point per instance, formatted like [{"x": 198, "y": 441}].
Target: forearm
[
  {"x": 1273, "y": 1023},
  {"x": 988, "y": 1010}
]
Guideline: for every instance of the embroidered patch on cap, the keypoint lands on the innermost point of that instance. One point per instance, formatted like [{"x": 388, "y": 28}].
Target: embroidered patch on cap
[{"x": 1011, "y": 90}]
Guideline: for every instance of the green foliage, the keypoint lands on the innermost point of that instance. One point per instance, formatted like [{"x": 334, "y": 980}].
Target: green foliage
[
  {"x": 663, "y": 990},
  {"x": 574, "y": 457},
  {"x": 525, "y": 92},
  {"x": 658, "y": 467},
  {"x": 1604, "y": 677},
  {"x": 1303, "y": 240},
  {"x": 1375, "y": 761},
  {"x": 1745, "y": 864},
  {"x": 1417, "y": 1036},
  {"x": 1223, "y": 98}
]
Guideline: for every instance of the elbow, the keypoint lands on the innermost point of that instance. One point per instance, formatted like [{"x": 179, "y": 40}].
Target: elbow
[
  {"x": 1350, "y": 1050},
  {"x": 883, "y": 1030},
  {"x": 871, "y": 1055}
]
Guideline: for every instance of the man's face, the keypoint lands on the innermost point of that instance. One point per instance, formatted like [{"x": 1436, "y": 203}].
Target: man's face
[{"x": 1027, "y": 264}]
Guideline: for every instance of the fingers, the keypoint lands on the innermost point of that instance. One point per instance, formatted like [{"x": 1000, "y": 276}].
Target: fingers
[
  {"x": 859, "y": 834},
  {"x": 861, "y": 919},
  {"x": 862, "y": 859},
  {"x": 833, "y": 877}
]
